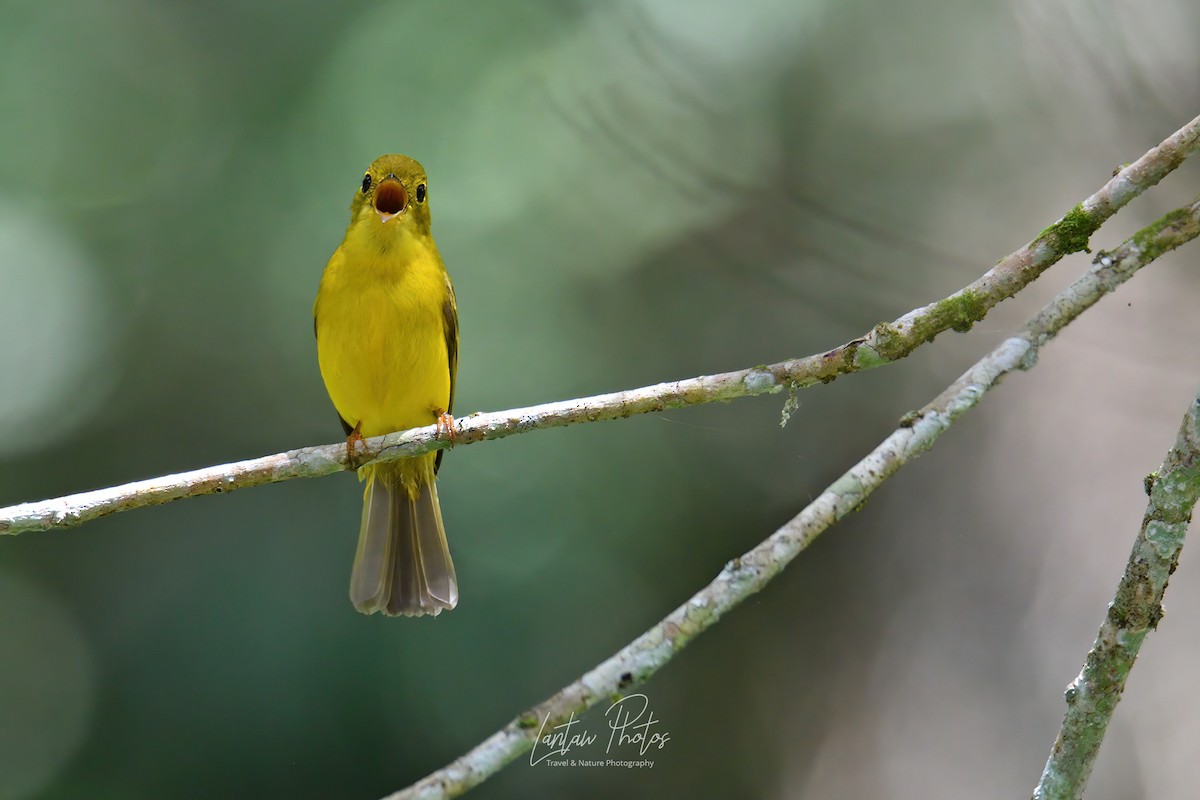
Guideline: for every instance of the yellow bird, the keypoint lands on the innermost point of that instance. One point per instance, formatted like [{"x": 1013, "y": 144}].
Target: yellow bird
[{"x": 387, "y": 343}]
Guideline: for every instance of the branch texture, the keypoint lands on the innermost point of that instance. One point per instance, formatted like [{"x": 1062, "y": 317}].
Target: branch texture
[
  {"x": 748, "y": 574},
  {"x": 1135, "y": 610},
  {"x": 883, "y": 344}
]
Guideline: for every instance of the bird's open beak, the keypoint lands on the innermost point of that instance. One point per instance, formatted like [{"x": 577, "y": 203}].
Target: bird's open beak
[{"x": 391, "y": 198}]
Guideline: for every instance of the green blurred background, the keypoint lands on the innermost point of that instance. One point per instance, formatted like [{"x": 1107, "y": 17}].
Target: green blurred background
[{"x": 624, "y": 193}]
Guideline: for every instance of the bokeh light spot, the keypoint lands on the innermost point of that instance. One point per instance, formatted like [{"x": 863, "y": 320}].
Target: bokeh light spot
[{"x": 54, "y": 343}]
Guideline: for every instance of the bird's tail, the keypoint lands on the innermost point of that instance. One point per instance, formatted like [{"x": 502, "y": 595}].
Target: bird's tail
[{"x": 403, "y": 564}]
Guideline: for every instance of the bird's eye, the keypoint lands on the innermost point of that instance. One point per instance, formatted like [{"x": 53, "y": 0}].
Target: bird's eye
[
  {"x": 420, "y": 193},
  {"x": 366, "y": 183}
]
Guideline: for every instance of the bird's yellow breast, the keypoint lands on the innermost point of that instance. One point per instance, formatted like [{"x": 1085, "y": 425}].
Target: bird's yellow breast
[{"x": 381, "y": 340}]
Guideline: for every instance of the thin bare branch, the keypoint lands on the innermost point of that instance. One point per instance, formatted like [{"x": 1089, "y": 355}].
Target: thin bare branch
[
  {"x": 1135, "y": 610},
  {"x": 883, "y": 344},
  {"x": 748, "y": 574}
]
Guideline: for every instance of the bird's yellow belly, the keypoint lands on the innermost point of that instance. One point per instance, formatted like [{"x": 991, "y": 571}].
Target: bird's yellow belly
[{"x": 382, "y": 352}]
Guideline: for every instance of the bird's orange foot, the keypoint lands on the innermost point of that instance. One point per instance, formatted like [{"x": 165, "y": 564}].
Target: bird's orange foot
[
  {"x": 352, "y": 441},
  {"x": 445, "y": 424}
]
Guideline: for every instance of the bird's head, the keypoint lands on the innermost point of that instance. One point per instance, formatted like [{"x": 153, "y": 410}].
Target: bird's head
[{"x": 393, "y": 197}]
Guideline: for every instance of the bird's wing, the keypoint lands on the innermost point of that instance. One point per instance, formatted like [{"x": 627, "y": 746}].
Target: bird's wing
[
  {"x": 450, "y": 328},
  {"x": 336, "y": 257}
]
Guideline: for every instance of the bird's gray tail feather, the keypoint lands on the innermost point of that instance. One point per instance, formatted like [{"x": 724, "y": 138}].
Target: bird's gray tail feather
[{"x": 403, "y": 564}]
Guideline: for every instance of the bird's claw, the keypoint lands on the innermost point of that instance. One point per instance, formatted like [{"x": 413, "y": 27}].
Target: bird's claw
[
  {"x": 445, "y": 424},
  {"x": 352, "y": 441}
]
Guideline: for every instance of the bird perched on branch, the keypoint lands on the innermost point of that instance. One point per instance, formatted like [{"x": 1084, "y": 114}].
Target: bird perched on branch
[{"x": 387, "y": 344}]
